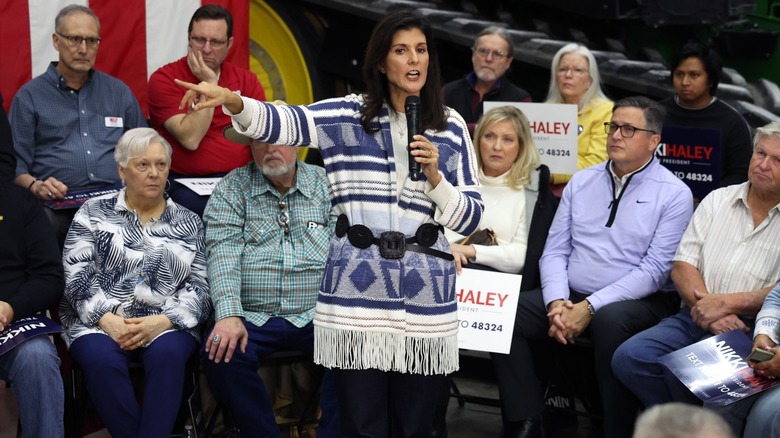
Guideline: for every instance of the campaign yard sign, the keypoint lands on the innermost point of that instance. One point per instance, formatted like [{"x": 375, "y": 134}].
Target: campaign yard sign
[
  {"x": 76, "y": 197},
  {"x": 201, "y": 186},
  {"x": 554, "y": 130},
  {"x": 716, "y": 369},
  {"x": 694, "y": 156},
  {"x": 25, "y": 329},
  {"x": 487, "y": 302}
]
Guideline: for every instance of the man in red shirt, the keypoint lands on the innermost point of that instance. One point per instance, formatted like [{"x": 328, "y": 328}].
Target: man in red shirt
[{"x": 199, "y": 148}]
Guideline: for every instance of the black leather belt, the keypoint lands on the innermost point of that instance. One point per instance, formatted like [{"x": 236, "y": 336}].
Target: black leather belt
[{"x": 393, "y": 244}]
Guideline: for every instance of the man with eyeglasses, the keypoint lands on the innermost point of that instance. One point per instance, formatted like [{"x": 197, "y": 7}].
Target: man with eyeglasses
[
  {"x": 66, "y": 122},
  {"x": 199, "y": 149},
  {"x": 268, "y": 227},
  {"x": 726, "y": 265},
  {"x": 605, "y": 267},
  {"x": 491, "y": 57}
]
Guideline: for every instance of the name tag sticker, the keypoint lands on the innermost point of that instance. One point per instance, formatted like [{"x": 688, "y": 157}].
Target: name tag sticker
[{"x": 114, "y": 122}]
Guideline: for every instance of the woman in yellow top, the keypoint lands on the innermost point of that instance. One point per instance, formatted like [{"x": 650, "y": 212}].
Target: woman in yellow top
[{"x": 574, "y": 78}]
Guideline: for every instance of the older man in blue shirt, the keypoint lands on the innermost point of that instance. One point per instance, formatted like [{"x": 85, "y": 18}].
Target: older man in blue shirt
[
  {"x": 605, "y": 267},
  {"x": 66, "y": 122}
]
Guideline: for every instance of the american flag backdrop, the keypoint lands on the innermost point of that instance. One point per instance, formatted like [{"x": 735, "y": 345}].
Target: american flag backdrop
[{"x": 138, "y": 37}]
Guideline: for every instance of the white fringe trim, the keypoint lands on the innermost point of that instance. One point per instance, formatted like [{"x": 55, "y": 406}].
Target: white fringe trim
[{"x": 348, "y": 349}]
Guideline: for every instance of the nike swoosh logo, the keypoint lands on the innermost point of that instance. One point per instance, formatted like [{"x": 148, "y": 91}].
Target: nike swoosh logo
[{"x": 642, "y": 202}]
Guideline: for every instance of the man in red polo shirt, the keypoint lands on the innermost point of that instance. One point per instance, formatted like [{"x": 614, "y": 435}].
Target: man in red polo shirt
[{"x": 199, "y": 149}]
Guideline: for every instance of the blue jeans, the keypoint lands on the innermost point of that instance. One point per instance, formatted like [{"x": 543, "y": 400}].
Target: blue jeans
[
  {"x": 33, "y": 368},
  {"x": 241, "y": 390},
  {"x": 107, "y": 374},
  {"x": 757, "y": 416},
  {"x": 635, "y": 362},
  {"x": 60, "y": 222}
]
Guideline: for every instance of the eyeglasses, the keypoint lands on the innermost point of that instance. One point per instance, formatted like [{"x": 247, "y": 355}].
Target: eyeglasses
[
  {"x": 627, "y": 131},
  {"x": 576, "y": 71},
  {"x": 201, "y": 42},
  {"x": 75, "y": 40},
  {"x": 283, "y": 218},
  {"x": 483, "y": 52}
]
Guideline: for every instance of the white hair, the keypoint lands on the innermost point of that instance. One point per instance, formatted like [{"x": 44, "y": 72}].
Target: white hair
[
  {"x": 594, "y": 91},
  {"x": 135, "y": 141}
]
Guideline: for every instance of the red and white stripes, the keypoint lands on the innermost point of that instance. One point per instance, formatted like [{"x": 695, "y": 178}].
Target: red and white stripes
[{"x": 138, "y": 37}]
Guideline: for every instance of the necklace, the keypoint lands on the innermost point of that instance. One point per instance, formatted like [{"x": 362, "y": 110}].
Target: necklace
[
  {"x": 152, "y": 213},
  {"x": 398, "y": 124}
]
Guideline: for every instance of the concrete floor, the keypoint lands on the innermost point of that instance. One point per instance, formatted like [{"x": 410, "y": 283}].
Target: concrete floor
[{"x": 476, "y": 378}]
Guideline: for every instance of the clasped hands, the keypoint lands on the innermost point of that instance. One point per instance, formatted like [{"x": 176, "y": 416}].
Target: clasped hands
[
  {"x": 567, "y": 320},
  {"x": 711, "y": 313},
  {"x": 132, "y": 333}
]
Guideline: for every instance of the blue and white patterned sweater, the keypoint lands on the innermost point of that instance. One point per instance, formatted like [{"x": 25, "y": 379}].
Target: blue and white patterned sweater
[
  {"x": 114, "y": 264},
  {"x": 375, "y": 313}
]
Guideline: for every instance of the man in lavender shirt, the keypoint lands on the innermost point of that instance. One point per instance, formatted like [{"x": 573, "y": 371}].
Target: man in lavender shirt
[{"x": 605, "y": 267}]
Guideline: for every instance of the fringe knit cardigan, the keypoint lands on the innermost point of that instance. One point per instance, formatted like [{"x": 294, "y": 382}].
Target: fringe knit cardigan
[{"x": 375, "y": 313}]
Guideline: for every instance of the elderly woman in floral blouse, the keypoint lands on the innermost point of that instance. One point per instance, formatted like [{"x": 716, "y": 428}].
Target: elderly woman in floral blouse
[{"x": 135, "y": 274}]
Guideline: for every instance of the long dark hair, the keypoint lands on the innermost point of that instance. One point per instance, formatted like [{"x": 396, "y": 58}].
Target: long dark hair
[{"x": 377, "y": 88}]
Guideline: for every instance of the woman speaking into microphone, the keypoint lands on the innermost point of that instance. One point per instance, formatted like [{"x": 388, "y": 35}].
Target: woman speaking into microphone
[{"x": 386, "y": 319}]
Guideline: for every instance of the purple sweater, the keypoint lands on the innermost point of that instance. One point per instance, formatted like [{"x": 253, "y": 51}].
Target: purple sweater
[{"x": 615, "y": 249}]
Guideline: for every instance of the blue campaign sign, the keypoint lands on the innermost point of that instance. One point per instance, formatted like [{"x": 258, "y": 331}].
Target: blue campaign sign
[
  {"x": 716, "y": 369},
  {"x": 693, "y": 155},
  {"x": 25, "y": 329}
]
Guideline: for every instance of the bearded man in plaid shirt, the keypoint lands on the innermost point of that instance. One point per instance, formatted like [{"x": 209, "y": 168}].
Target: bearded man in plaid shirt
[{"x": 268, "y": 226}]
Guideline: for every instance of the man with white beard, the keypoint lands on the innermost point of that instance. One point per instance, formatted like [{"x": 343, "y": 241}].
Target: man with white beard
[{"x": 268, "y": 226}]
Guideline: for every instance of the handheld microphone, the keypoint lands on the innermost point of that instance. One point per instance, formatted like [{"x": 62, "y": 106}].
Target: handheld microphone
[{"x": 412, "y": 109}]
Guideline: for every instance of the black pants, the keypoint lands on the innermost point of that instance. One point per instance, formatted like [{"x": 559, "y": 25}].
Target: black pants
[
  {"x": 379, "y": 404},
  {"x": 60, "y": 222},
  {"x": 185, "y": 197},
  {"x": 522, "y": 389}
]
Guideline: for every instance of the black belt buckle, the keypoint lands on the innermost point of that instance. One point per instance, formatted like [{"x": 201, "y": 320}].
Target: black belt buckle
[
  {"x": 360, "y": 236},
  {"x": 392, "y": 245},
  {"x": 342, "y": 225},
  {"x": 427, "y": 235}
]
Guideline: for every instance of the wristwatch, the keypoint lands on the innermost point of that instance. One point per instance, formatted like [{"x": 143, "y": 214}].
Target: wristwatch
[{"x": 590, "y": 308}]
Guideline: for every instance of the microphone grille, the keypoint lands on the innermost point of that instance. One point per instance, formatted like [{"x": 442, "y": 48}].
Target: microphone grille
[{"x": 412, "y": 101}]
